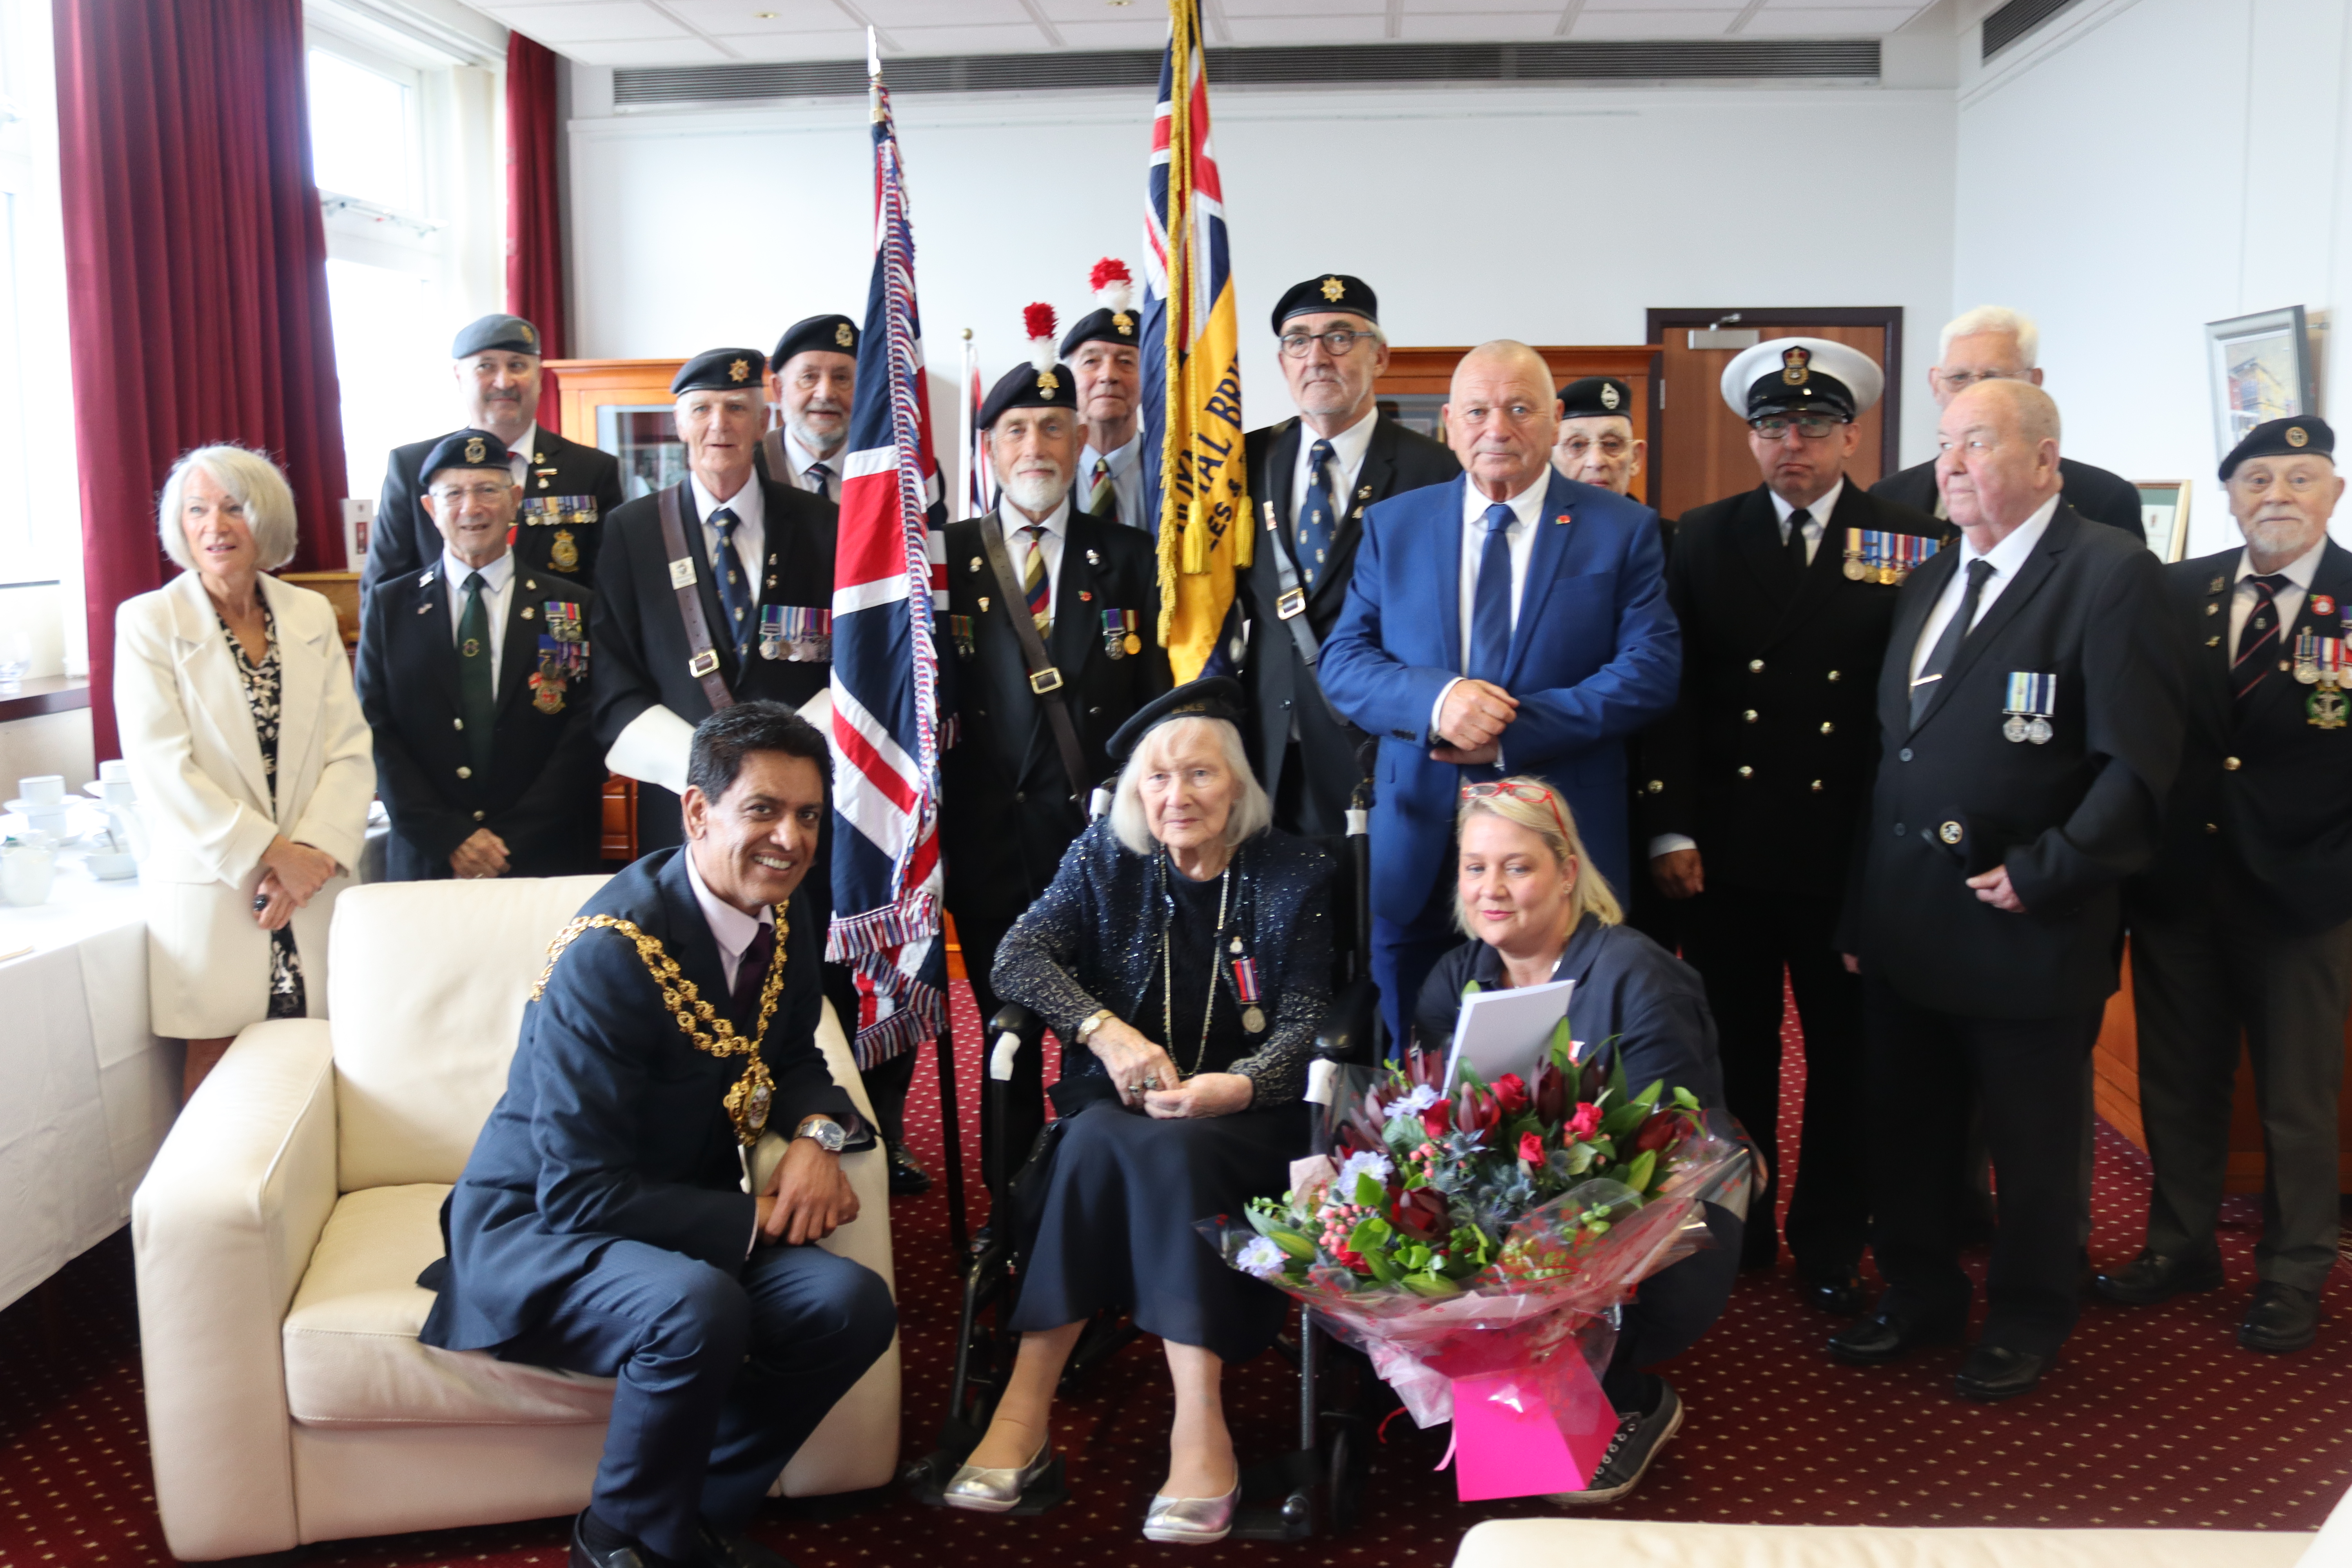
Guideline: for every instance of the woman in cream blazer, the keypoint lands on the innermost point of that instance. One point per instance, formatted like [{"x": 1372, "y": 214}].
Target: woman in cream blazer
[{"x": 245, "y": 842}]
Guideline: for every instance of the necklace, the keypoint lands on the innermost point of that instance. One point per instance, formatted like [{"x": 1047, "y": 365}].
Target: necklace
[{"x": 1168, "y": 967}]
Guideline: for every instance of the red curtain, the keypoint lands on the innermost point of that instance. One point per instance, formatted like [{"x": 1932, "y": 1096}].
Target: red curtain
[
  {"x": 196, "y": 280},
  {"x": 534, "y": 218}
]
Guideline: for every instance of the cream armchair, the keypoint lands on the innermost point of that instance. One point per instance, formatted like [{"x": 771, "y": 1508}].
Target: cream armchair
[{"x": 280, "y": 1230}]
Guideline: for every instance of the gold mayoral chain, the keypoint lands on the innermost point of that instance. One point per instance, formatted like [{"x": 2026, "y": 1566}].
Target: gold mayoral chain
[{"x": 750, "y": 1096}]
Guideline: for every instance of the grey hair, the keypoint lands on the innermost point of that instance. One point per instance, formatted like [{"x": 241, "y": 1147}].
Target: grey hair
[
  {"x": 255, "y": 481},
  {"x": 1252, "y": 814},
  {"x": 1993, "y": 318}
]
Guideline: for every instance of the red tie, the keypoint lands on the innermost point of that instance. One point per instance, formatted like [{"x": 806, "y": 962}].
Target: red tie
[{"x": 2258, "y": 639}]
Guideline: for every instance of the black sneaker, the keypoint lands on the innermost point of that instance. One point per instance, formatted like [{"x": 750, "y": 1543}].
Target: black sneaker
[
  {"x": 1637, "y": 1442},
  {"x": 908, "y": 1177}
]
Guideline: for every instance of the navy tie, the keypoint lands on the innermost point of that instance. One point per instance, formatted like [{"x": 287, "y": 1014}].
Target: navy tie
[
  {"x": 1314, "y": 529},
  {"x": 1490, "y": 605},
  {"x": 734, "y": 598}
]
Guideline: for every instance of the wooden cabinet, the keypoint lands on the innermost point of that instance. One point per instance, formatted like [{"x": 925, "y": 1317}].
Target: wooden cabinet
[{"x": 343, "y": 591}]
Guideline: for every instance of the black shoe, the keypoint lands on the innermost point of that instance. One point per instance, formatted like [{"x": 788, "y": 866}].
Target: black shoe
[
  {"x": 616, "y": 1551},
  {"x": 1883, "y": 1337},
  {"x": 1627, "y": 1459},
  {"x": 1760, "y": 1247},
  {"x": 2282, "y": 1319},
  {"x": 2152, "y": 1276},
  {"x": 1995, "y": 1372},
  {"x": 1843, "y": 1296},
  {"x": 908, "y": 1177},
  {"x": 721, "y": 1549}
]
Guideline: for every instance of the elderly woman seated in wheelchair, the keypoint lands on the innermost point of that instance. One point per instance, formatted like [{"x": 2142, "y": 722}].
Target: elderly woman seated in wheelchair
[{"x": 1184, "y": 951}]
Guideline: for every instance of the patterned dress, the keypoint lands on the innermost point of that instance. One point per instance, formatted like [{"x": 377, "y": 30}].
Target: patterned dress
[{"x": 261, "y": 683}]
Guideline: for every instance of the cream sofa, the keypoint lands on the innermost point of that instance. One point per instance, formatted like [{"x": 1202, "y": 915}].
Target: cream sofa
[{"x": 280, "y": 1230}]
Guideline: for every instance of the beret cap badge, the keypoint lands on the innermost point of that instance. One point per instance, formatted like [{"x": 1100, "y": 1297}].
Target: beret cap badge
[
  {"x": 739, "y": 370},
  {"x": 1334, "y": 290},
  {"x": 1609, "y": 398},
  {"x": 841, "y": 334},
  {"x": 475, "y": 449},
  {"x": 1793, "y": 365},
  {"x": 2296, "y": 435}
]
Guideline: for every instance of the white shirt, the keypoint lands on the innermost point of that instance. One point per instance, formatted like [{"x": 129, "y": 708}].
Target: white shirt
[
  {"x": 1521, "y": 537},
  {"x": 1817, "y": 514},
  {"x": 1348, "y": 449},
  {"x": 800, "y": 458},
  {"x": 2006, "y": 557},
  {"x": 1017, "y": 544},
  {"x": 497, "y": 588},
  {"x": 1126, "y": 479},
  {"x": 2289, "y": 599},
  {"x": 730, "y": 928},
  {"x": 751, "y": 510},
  {"x": 519, "y": 455}
]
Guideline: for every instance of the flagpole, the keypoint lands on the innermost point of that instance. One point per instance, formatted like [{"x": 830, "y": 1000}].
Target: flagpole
[{"x": 963, "y": 396}]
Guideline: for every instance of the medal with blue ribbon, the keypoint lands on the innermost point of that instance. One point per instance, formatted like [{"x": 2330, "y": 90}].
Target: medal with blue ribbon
[
  {"x": 1878, "y": 555},
  {"x": 1245, "y": 990},
  {"x": 1120, "y": 634},
  {"x": 2032, "y": 700},
  {"x": 797, "y": 632}
]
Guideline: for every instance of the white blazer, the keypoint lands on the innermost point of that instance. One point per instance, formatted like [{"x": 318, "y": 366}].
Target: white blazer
[{"x": 188, "y": 737}]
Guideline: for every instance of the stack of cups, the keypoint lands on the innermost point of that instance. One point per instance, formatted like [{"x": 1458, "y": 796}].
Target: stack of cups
[{"x": 42, "y": 800}]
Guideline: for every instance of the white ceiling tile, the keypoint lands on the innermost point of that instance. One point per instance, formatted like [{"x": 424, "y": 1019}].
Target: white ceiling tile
[
  {"x": 1142, "y": 33},
  {"x": 587, "y": 22},
  {"x": 816, "y": 44},
  {"x": 1819, "y": 19},
  {"x": 1371, "y": 29},
  {"x": 1909, "y": 7},
  {"x": 1481, "y": 26},
  {"x": 1103, "y": 11},
  {"x": 678, "y": 51},
  {"x": 892, "y": 14},
  {"x": 1653, "y": 23},
  {"x": 1022, "y": 40},
  {"x": 744, "y": 15},
  {"x": 1305, "y": 14}
]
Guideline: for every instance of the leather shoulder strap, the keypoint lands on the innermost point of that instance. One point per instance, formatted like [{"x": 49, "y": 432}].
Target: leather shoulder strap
[
  {"x": 1044, "y": 680},
  {"x": 702, "y": 658},
  {"x": 780, "y": 467}
]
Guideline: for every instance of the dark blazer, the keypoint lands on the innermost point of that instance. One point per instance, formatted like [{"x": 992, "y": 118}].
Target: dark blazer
[
  {"x": 1007, "y": 814},
  {"x": 1279, "y": 684},
  {"x": 1766, "y": 759},
  {"x": 567, "y": 492},
  {"x": 2071, "y": 818},
  {"x": 2266, "y": 794},
  {"x": 543, "y": 792},
  {"x": 2098, "y": 495},
  {"x": 1629, "y": 991},
  {"x": 614, "y": 1126},
  {"x": 1595, "y": 657}
]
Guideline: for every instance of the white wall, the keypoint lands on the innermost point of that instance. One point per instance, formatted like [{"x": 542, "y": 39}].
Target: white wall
[
  {"x": 2143, "y": 168},
  {"x": 1547, "y": 215}
]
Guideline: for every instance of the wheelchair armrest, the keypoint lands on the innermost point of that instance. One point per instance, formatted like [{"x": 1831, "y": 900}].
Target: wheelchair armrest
[
  {"x": 1345, "y": 1035},
  {"x": 1013, "y": 1030}
]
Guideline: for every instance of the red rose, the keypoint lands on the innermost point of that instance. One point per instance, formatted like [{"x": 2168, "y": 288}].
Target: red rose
[
  {"x": 1512, "y": 1091},
  {"x": 1437, "y": 1120},
  {"x": 1585, "y": 1122},
  {"x": 1531, "y": 1149},
  {"x": 1662, "y": 1129}
]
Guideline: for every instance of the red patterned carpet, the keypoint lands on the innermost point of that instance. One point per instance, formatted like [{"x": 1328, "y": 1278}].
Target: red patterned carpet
[{"x": 2153, "y": 1418}]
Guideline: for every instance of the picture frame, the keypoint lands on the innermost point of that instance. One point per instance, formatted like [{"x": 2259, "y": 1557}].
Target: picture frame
[
  {"x": 2164, "y": 512},
  {"x": 2262, "y": 370}
]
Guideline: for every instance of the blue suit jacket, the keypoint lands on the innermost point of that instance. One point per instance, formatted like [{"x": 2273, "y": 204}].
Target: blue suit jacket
[
  {"x": 614, "y": 1126},
  {"x": 1595, "y": 656}
]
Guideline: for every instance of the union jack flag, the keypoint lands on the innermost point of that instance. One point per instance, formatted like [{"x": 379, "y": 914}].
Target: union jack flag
[{"x": 887, "y": 581}]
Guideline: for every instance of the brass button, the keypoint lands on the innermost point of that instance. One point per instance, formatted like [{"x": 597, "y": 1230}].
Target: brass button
[
  {"x": 1817, "y": 787},
  {"x": 1833, "y": 675},
  {"x": 457, "y": 723},
  {"x": 480, "y": 814},
  {"x": 1950, "y": 833},
  {"x": 1749, "y": 715},
  {"x": 1657, "y": 787},
  {"x": 2230, "y": 764},
  {"x": 1755, "y": 667},
  {"x": 1829, "y": 729},
  {"x": 1747, "y": 772},
  {"x": 2213, "y": 827},
  {"x": 464, "y": 771},
  {"x": 2212, "y": 610}
]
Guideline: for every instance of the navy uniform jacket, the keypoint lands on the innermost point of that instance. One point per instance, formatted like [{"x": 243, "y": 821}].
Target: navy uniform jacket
[
  {"x": 1281, "y": 686},
  {"x": 1595, "y": 657},
  {"x": 543, "y": 792},
  {"x": 2070, "y": 818},
  {"x": 1007, "y": 814},
  {"x": 1765, "y": 761},
  {"x": 2098, "y": 495},
  {"x": 614, "y": 1126},
  {"x": 2266, "y": 793},
  {"x": 568, "y": 491}
]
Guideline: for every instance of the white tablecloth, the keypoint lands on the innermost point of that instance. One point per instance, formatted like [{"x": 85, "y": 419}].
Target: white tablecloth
[{"x": 86, "y": 1092}]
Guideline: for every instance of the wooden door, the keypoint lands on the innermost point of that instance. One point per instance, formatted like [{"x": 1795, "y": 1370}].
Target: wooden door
[{"x": 1700, "y": 450}]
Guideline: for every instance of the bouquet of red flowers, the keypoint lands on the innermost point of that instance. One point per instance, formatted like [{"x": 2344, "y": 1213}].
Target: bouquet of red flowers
[{"x": 1473, "y": 1242}]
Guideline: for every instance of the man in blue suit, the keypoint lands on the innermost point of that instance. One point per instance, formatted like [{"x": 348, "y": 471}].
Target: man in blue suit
[
  {"x": 1511, "y": 621},
  {"x": 605, "y": 1222}
]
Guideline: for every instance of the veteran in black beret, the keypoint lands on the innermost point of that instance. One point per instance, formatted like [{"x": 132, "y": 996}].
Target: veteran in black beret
[
  {"x": 567, "y": 488},
  {"x": 1104, "y": 350},
  {"x": 1597, "y": 444},
  {"x": 1053, "y": 619},
  {"x": 473, "y": 675},
  {"x": 1312, "y": 477},
  {"x": 2243, "y": 926},
  {"x": 1751, "y": 791},
  {"x": 813, "y": 384}
]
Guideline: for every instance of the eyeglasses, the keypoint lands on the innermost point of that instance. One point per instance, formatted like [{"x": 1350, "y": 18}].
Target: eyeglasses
[
  {"x": 1966, "y": 378},
  {"x": 1810, "y": 429},
  {"x": 1609, "y": 445},
  {"x": 1533, "y": 794},
  {"x": 1338, "y": 342},
  {"x": 481, "y": 495}
]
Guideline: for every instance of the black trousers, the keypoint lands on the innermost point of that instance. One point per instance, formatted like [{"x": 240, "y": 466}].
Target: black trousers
[
  {"x": 1671, "y": 1311},
  {"x": 722, "y": 1376},
  {"x": 1740, "y": 941},
  {"x": 1923, "y": 1068},
  {"x": 2198, "y": 978},
  {"x": 1004, "y": 1142}
]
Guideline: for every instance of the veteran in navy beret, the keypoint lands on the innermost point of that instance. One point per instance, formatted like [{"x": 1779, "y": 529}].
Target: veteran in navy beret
[
  {"x": 567, "y": 488},
  {"x": 1104, "y": 350},
  {"x": 813, "y": 384},
  {"x": 1597, "y": 444},
  {"x": 473, "y": 675}
]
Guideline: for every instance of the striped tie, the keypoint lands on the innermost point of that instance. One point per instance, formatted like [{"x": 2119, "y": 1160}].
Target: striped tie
[
  {"x": 2258, "y": 641},
  {"x": 1034, "y": 583},
  {"x": 1100, "y": 500}
]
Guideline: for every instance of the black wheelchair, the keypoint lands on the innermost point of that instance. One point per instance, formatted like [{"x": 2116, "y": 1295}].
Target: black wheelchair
[{"x": 1317, "y": 1489}]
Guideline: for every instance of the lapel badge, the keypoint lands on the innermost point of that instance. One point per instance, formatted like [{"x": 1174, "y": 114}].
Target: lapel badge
[
  {"x": 526, "y": 612},
  {"x": 1095, "y": 559},
  {"x": 426, "y": 581},
  {"x": 423, "y": 610},
  {"x": 1364, "y": 492},
  {"x": 1560, "y": 518},
  {"x": 2213, "y": 642},
  {"x": 2216, "y": 585},
  {"x": 1085, "y": 597},
  {"x": 2321, "y": 605},
  {"x": 531, "y": 586},
  {"x": 983, "y": 604},
  {"x": 975, "y": 565},
  {"x": 542, "y": 481},
  {"x": 1271, "y": 526}
]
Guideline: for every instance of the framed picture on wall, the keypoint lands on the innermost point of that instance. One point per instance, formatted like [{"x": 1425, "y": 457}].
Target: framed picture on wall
[
  {"x": 2164, "y": 512},
  {"x": 2262, "y": 370}
]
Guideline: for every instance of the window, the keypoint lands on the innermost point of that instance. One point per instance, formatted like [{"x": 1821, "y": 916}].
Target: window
[{"x": 362, "y": 132}]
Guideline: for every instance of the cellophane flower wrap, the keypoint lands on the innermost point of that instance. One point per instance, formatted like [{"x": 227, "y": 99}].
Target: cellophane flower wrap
[{"x": 1492, "y": 1228}]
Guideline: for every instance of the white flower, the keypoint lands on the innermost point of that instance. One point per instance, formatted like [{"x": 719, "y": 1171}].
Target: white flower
[
  {"x": 1412, "y": 1104},
  {"x": 1370, "y": 1162},
  {"x": 1260, "y": 1258}
]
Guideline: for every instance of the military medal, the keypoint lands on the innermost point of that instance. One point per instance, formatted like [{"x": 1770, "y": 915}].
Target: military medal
[
  {"x": 1093, "y": 558},
  {"x": 2032, "y": 699},
  {"x": 2306, "y": 656},
  {"x": 1853, "y": 569},
  {"x": 547, "y": 690},
  {"x": 960, "y": 633},
  {"x": 563, "y": 552},
  {"x": 1118, "y": 633},
  {"x": 1245, "y": 989}
]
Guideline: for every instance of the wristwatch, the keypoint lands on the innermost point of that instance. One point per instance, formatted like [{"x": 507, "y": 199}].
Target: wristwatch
[
  {"x": 1093, "y": 1020},
  {"x": 824, "y": 1131}
]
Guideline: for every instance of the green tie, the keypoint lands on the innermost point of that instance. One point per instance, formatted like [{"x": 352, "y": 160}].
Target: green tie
[{"x": 476, "y": 683}]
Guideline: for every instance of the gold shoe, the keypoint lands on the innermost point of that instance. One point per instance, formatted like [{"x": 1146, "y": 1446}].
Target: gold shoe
[
  {"x": 1192, "y": 1521},
  {"x": 995, "y": 1492}
]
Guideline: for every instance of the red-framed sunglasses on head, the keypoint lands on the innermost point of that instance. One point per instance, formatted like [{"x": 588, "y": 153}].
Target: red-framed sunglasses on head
[{"x": 1533, "y": 794}]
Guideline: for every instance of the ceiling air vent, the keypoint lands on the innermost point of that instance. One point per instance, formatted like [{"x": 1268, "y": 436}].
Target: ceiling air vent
[
  {"x": 2014, "y": 20},
  {"x": 1853, "y": 59}
]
